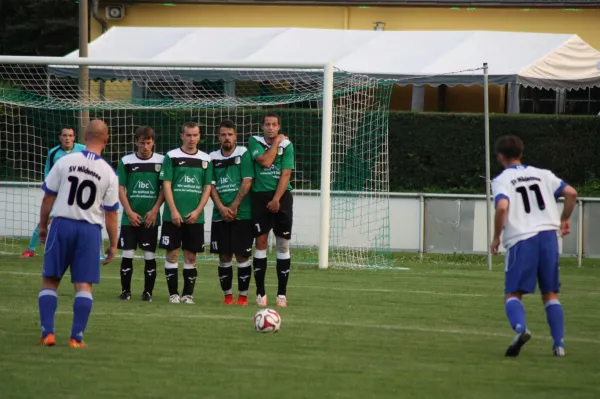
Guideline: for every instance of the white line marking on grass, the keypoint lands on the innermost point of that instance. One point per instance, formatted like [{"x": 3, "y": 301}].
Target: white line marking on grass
[
  {"x": 293, "y": 320},
  {"x": 314, "y": 287},
  {"x": 352, "y": 289}
]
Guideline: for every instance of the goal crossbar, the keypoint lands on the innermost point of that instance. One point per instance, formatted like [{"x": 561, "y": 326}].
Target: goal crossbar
[{"x": 231, "y": 64}]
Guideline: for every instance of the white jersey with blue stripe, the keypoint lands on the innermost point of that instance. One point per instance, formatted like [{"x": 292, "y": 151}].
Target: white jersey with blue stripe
[
  {"x": 84, "y": 185},
  {"x": 532, "y": 195}
]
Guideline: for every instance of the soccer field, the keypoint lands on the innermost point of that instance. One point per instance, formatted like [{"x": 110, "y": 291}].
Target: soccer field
[{"x": 436, "y": 331}]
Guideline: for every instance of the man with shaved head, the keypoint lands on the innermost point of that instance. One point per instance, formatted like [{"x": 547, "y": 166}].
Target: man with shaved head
[{"x": 80, "y": 191}]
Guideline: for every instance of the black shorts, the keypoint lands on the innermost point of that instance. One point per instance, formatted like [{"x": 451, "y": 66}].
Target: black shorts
[
  {"x": 234, "y": 237},
  {"x": 264, "y": 220},
  {"x": 142, "y": 237},
  {"x": 189, "y": 237}
]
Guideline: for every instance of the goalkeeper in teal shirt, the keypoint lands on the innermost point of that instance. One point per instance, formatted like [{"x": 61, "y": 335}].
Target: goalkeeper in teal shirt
[{"x": 67, "y": 146}]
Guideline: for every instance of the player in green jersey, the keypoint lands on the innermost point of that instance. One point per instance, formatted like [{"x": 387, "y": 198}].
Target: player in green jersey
[
  {"x": 272, "y": 203},
  {"x": 141, "y": 197},
  {"x": 187, "y": 183},
  {"x": 231, "y": 229}
]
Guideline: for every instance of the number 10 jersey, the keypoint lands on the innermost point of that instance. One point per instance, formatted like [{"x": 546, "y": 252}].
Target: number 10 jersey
[
  {"x": 532, "y": 195},
  {"x": 84, "y": 185}
]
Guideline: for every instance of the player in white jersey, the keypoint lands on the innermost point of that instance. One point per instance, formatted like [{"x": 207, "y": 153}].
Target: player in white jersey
[
  {"x": 527, "y": 212},
  {"x": 82, "y": 191}
]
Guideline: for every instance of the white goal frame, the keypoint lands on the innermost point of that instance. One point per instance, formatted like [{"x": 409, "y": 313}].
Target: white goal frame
[{"x": 327, "y": 113}]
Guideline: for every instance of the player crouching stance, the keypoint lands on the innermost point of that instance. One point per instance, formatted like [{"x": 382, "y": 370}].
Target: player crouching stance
[
  {"x": 526, "y": 210},
  {"x": 78, "y": 190},
  {"x": 187, "y": 181},
  {"x": 231, "y": 229},
  {"x": 140, "y": 194},
  {"x": 272, "y": 204}
]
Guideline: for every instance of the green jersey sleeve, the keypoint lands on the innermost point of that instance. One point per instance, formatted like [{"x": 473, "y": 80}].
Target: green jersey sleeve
[
  {"x": 247, "y": 166},
  {"x": 122, "y": 173},
  {"x": 166, "y": 172},
  {"x": 255, "y": 149},
  {"x": 288, "y": 159},
  {"x": 208, "y": 176}
]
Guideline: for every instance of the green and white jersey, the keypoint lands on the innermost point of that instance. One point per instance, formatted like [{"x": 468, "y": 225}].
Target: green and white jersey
[
  {"x": 188, "y": 174},
  {"x": 228, "y": 173},
  {"x": 266, "y": 179},
  {"x": 140, "y": 178}
]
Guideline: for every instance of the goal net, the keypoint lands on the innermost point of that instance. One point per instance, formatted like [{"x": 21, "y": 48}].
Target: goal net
[{"x": 37, "y": 101}]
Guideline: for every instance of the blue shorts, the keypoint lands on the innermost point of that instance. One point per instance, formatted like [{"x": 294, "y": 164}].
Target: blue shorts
[
  {"x": 531, "y": 261},
  {"x": 75, "y": 244}
]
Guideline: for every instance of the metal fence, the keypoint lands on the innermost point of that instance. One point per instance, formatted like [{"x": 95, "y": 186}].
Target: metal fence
[{"x": 421, "y": 223}]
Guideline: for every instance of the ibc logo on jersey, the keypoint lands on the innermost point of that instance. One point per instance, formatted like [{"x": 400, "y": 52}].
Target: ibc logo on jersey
[
  {"x": 143, "y": 185},
  {"x": 188, "y": 179}
]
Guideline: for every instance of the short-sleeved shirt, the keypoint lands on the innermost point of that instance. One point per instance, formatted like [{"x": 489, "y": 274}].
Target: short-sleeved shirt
[
  {"x": 228, "y": 174},
  {"x": 188, "y": 174},
  {"x": 141, "y": 179},
  {"x": 57, "y": 153},
  {"x": 84, "y": 185},
  {"x": 266, "y": 179},
  {"x": 532, "y": 195}
]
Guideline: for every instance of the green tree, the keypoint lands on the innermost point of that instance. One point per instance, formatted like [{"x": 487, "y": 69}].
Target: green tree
[{"x": 38, "y": 27}]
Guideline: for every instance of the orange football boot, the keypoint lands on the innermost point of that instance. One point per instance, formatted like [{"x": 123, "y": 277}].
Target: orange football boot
[
  {"x": 242, "y": 300},
  {"x": 48, "y": 340},
  {"x": 73, "y": 343}
]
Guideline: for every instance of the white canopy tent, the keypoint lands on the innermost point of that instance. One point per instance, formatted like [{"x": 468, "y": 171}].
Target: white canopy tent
[{"x": 556, "y": 61}]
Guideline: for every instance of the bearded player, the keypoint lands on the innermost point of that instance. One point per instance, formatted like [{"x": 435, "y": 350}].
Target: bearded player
[{"x": 231, "y": 229}]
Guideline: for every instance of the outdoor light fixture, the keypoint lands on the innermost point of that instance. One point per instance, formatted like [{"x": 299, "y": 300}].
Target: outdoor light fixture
[{"x": 379, "y": 25}]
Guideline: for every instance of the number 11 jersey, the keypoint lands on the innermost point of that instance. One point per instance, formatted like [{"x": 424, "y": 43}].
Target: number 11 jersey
[
  {"x": 84, "y": 185},
  {"x": 532, "y": 195}
]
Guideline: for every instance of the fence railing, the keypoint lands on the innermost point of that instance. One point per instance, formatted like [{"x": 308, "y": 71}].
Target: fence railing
[{"x": 419, "y": 222}]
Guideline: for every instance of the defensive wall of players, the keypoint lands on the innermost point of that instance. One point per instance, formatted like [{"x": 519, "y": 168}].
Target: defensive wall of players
[{"x": 434, "y": 223}]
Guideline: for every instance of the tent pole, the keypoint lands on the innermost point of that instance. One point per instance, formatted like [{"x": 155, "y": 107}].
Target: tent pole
[
  {"x": 84, "y": 83},
  {"x": 488, "y": 202}
]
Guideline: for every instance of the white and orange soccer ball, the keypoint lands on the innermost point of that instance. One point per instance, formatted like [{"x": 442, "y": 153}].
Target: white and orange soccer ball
[{"x": 267, "y": 320}]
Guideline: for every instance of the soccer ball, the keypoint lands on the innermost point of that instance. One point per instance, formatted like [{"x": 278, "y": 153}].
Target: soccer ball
[{"x": 267, "y": 320}]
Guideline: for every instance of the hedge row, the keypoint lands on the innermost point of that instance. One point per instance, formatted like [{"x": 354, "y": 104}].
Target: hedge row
[
  {"x": 428, "y": 152},
  {"x": 446, "y": 152}
]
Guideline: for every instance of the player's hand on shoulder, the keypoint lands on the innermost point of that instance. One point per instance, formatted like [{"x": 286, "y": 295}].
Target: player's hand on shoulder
[
  {"x": 191, "y": 217},
  {"x": 565, "y": 228},
  {"x": 150, "y": 218},
  {"x": 279, "y": 139},
  {"x": 134, "y": 218},
  {"x": 273, "y": 206},
  {"x": 43, "y": 234},
  {"x": 111, "y": 252}
]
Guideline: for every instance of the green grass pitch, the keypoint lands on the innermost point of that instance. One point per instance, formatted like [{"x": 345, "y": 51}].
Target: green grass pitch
[{"x": 435, "y": 331}]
